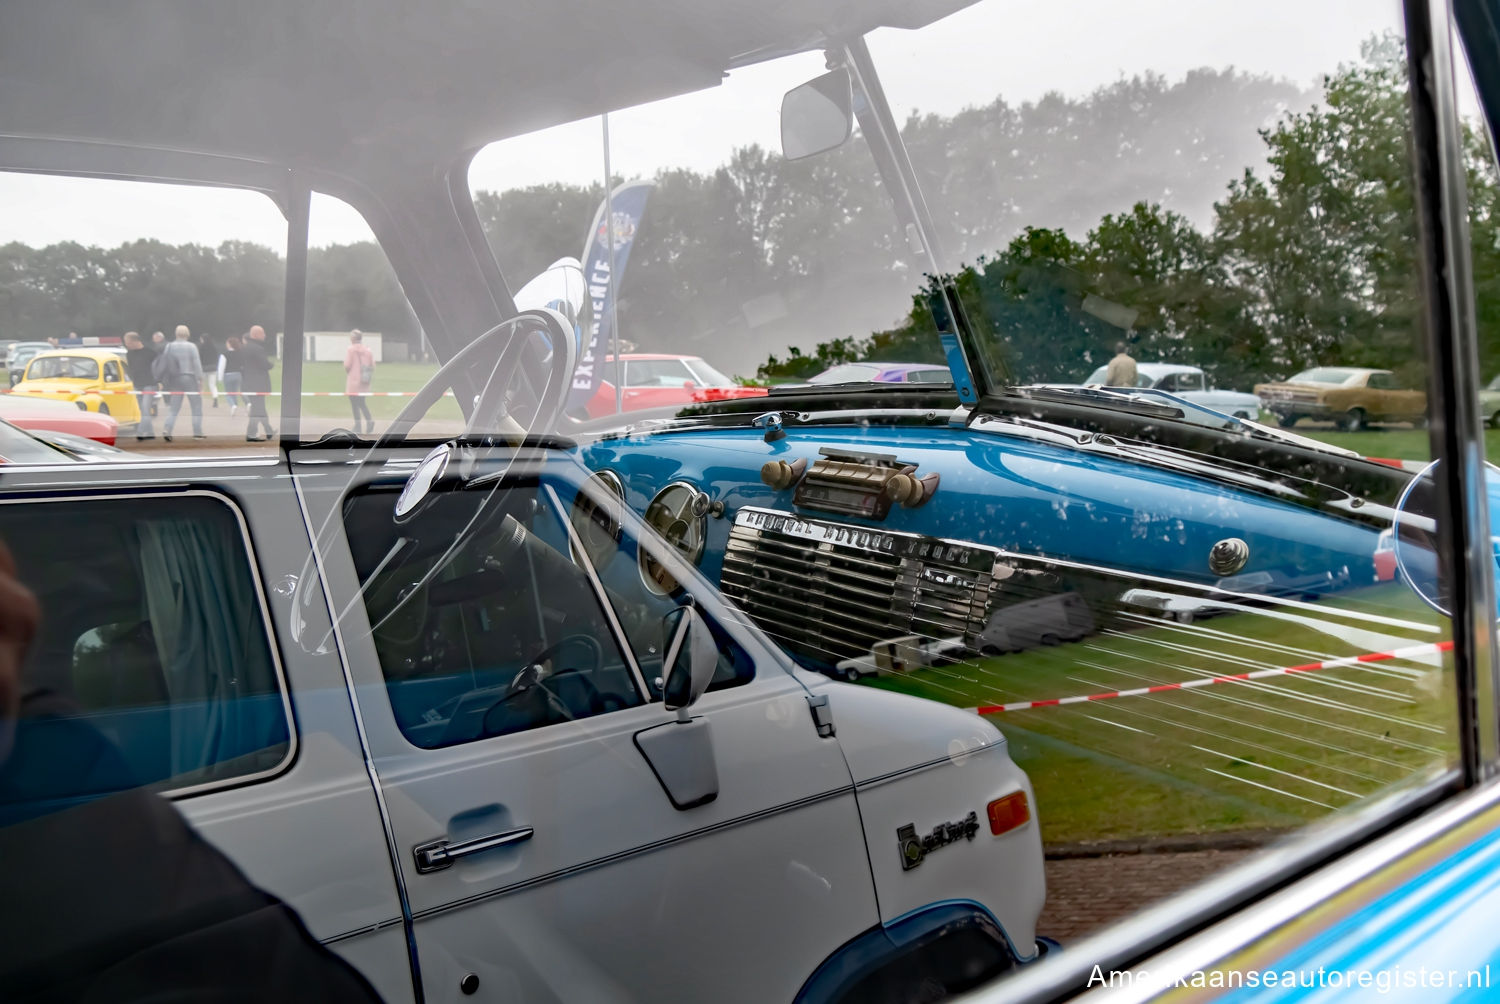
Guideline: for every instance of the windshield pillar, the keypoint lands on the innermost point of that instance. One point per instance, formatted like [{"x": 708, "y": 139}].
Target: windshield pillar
[{"x": 892, "y": 161}]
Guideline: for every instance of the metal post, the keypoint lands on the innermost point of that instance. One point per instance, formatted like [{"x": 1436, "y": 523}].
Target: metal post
[
  {"x": 614, "y": 290},
  {"x": 299, "y": 208}
]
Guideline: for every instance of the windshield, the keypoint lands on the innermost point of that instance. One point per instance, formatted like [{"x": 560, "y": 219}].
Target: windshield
[
  {"x": 1325, "y": 374},
  {"x": 724, "y": 250},
  {"x": 63, "y": 368},
  {"x": 848, "y": 373},
  {"x": 707, "y": 375},
  {"x": 17, "y": 447}
]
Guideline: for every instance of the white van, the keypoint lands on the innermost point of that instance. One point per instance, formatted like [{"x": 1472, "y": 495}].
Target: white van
[{"x": 468, "y": 742}]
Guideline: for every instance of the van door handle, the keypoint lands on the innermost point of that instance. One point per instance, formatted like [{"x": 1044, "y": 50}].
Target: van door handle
[{"x": 435, "y": 855}]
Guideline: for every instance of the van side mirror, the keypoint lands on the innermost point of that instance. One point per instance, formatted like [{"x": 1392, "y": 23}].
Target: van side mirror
[
  {"x": 817, "y": 116},
  {"x": 691, "y": 656}
]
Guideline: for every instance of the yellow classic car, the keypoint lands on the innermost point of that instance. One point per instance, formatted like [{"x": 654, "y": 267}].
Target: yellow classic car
[
  {"x": 93, "y": 378},
  {"x": 1349, "y": 395}
]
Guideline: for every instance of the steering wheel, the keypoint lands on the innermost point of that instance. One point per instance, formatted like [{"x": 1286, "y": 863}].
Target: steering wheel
[
  {"x": 529, "y": 701},
  {"x": 490, "y": 414}
]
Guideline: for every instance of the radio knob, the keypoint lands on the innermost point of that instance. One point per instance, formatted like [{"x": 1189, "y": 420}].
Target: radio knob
[
  {"x": 779, "y": 474},
  {"x": 910, "y": 490},
  {"x": 903, "y": 488}
]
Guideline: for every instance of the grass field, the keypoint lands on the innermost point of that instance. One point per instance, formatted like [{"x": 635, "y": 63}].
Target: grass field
[
  {"x": 329, "y": 376},
  {"x": 1244, "y": 755},
  {"x": 1396, "y": 441}
]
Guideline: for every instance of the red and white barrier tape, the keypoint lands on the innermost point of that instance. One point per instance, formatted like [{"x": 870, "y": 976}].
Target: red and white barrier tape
[
  {"x": 1408, "y": 652},
  {"x": 1411, "y": 466}
]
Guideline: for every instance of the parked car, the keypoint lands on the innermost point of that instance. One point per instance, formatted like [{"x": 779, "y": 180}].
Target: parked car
[
  {"x": 17, "y": 446},
  {"x": 94, "y": 378},
  {"x": 19, "y": 355},
  {"x": 882, "y": 372},
  {"x": 1349, "y": 395},
  {"x": 1190, "y": 384},
  {"x": 656, "y": 380},
  {"x": 1489, "y": 403},
  {"x": 41, "y": 415},
  {"x": 80, "y": 447}
]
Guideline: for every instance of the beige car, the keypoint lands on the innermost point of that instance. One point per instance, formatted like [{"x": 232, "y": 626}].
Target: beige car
[
  {"x": 1351, "y": 396},
  {"x": 1489, "y": 403}
]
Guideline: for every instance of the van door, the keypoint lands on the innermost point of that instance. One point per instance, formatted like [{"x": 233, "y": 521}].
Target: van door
[{"x": 505, "y": 707}]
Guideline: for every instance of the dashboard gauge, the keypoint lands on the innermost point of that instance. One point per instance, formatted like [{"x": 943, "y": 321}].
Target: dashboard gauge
[
  {"x": 596, "y": 519},
  {"x": 679, "y": 513}
]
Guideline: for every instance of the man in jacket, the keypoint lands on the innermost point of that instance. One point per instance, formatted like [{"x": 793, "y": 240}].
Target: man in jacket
[
  {"x": 1122, "y": 371},
  {"x": 180, "y": 372},
  {"x": 139, "y": 362},
  {"x": 256, "y": 365}
]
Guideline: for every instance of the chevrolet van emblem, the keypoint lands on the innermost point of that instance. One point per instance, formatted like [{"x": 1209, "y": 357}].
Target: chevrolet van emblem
[{"x": 915, "y": 848}]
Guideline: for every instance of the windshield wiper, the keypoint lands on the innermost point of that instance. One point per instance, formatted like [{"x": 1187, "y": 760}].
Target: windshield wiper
[{"x": 1151, "y": 402}]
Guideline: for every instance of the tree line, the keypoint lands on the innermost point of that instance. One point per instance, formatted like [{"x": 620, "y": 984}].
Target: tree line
[{"x": 1309, "y": 258}]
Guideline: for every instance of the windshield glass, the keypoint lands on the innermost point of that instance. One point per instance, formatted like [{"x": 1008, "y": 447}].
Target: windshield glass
[
  {"x": 1324, "y": 374},
  {"x": 63, "y": 368},
  {"x": 765, "y": 268},
  {"x": 848, "y": 373},
  {"x": 707, "y": 375}
]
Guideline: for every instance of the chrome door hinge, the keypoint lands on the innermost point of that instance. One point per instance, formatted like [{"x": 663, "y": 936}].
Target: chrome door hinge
[{"x": 822, "y": 715}]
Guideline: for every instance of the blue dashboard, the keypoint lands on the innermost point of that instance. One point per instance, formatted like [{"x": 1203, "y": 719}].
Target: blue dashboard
[{"x": 1031, "y": 497}]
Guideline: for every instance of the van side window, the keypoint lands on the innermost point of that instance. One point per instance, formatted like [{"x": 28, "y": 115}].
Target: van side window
[{"x": 153, "y": 635}]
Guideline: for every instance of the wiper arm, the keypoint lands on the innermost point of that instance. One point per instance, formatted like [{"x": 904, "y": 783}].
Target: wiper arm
[{"x": 1169, "y": 405}]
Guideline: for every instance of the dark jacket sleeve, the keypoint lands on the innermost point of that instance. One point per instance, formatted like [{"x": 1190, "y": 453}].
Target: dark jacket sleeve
[{"x": 123, "y": 901}]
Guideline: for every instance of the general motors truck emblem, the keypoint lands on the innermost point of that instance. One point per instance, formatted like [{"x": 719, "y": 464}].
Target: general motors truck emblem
[{"x": 915, "y": 848}]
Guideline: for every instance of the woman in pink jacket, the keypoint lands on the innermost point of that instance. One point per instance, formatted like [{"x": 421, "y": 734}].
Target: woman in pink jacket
[{"x": 359, "y": 369}]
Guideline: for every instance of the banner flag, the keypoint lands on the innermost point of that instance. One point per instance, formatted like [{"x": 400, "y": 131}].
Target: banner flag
[{"x": 603, "y": 271}]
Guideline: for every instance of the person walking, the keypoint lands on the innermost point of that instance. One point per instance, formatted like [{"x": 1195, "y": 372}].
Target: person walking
[
  {"x": 208, "y": 352},
  {"x": 255, "y": 365},
  {"x": 139, "y": 363},
  {"x": 158, "y": 346},
  {"x": 230, "y": 374},
  {"x": 359, "y": 370},
  {"x": 1122, "y": 371},
  {"x": 179, "y": 369}
]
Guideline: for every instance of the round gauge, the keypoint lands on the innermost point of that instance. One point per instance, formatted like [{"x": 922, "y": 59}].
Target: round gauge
[
  {"x": 679, "y": 514},
  {"x": 596, "y": 519}
]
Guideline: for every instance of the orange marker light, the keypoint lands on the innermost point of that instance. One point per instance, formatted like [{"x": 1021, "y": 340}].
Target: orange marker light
[{"x": 1008, "y": 813}]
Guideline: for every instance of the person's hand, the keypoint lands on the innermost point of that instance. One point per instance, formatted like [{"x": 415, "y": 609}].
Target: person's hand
[{"x": 19, "y": 615}]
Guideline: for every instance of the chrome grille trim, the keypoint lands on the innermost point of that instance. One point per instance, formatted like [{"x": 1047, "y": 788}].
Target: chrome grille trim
[{"x": 831, "y": 590}]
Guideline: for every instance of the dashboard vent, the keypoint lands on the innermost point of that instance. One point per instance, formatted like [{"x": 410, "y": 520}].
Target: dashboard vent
[{"x": 830, "y": 591}]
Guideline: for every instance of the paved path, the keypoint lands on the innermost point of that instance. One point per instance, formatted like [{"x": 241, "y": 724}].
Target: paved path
[{"x": 1086, "y": 893}]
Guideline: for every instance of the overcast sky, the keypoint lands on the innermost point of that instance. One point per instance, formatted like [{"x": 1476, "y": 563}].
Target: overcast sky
[{"x": 1019, "y": 49}]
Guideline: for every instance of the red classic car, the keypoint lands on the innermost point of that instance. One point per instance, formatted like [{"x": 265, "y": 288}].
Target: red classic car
[
  {"x": 654, "y": 380},
  {"x": 36, "y": 414}
]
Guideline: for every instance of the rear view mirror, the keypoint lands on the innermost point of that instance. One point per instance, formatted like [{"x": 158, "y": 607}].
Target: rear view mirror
[
  {"x": 691, "y": 656},
  {"x": 817, "y": 116}
]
